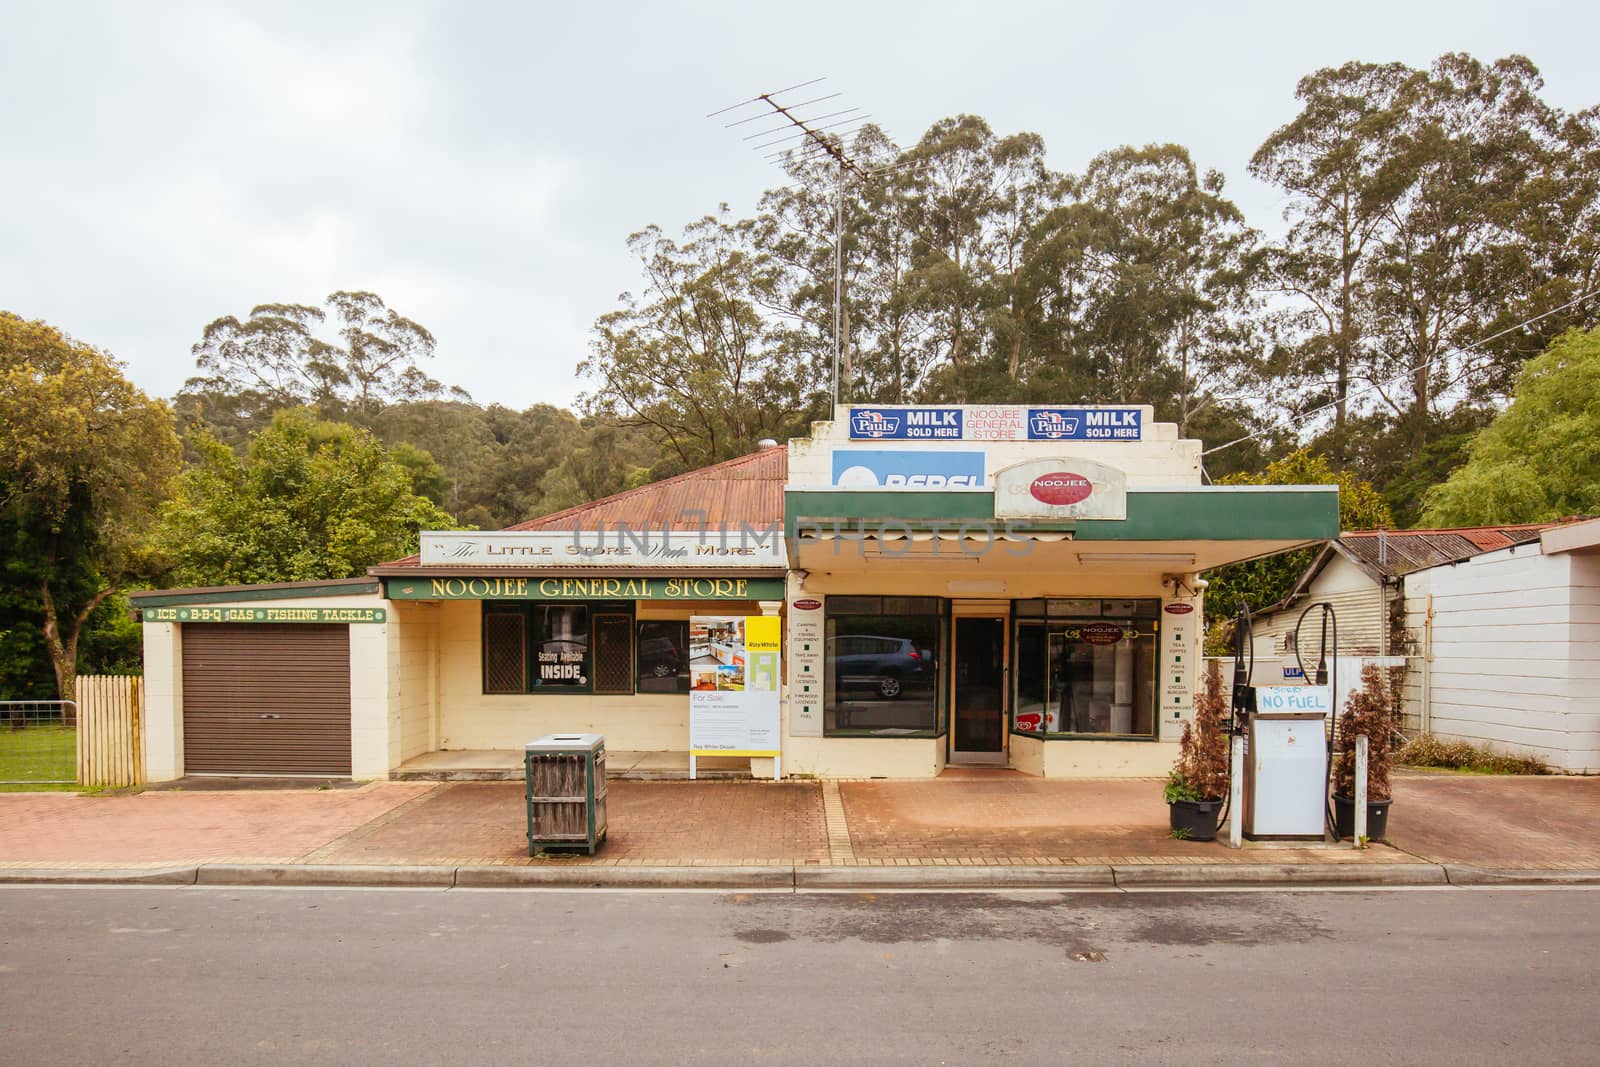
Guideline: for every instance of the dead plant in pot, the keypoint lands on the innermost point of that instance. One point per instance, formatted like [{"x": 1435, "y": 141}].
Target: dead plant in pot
[
  {"x": 1199, "y": 780},
  {"x": 1371, "y": 710}
]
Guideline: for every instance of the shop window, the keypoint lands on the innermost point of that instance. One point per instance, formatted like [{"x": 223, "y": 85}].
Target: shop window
[
  {"x": 882, "y": 666},
  {"x": 613, "y": 654},
  {"x": 542, "y": 647},
  {"x": 504, "y": 652},
  {"x": 663, "y": 656},
  {"x": 1088, "y": 673}
]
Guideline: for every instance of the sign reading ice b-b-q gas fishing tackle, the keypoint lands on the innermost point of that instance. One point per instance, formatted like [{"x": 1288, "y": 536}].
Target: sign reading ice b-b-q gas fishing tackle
[{"x": 996, "y": 422}]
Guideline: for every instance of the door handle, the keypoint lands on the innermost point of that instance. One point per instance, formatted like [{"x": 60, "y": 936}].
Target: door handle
[{"x": 271, "y": 715}]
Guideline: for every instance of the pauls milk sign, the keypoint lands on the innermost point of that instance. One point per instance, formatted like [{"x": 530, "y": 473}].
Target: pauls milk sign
[{"x": 997, "y": 422}]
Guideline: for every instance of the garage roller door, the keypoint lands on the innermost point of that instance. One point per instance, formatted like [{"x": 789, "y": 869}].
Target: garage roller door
[{"x": 266, "y": 699}]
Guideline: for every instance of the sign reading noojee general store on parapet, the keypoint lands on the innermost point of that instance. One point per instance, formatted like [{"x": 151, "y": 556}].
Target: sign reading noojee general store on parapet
[
  {"x": 618, "y": 545},
  {"x": 996, "y": 422}
]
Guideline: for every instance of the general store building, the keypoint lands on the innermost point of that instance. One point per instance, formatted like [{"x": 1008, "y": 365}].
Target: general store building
[{"x": 992, "y": 585}]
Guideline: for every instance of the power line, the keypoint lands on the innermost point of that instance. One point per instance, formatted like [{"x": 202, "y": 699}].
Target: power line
[{"x": 1304, "y": 415}]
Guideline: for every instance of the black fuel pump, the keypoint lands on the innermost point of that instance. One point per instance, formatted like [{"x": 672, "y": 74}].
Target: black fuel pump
[{"x": 1244, "y": 695}]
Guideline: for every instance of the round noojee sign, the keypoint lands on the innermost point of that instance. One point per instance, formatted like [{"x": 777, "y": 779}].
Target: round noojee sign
[{"x": 1060, "y": 487}]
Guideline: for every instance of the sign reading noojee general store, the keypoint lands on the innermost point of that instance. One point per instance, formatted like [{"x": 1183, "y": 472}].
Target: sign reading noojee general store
[{"x": 996, "y": 422}]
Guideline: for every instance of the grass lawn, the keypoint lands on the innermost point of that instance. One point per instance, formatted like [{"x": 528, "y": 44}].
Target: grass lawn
[{"x": 30, "y": 757}]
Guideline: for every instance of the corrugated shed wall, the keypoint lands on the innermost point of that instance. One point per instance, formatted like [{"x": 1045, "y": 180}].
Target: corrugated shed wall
[{"x": 1504, "y": 658}]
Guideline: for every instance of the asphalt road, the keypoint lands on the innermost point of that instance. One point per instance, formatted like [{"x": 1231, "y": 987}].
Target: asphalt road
[{"x": 218, "y": 975}]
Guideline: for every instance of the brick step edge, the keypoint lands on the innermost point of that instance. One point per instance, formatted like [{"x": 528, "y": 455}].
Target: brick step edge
[{"x": 1088, "y": 876}]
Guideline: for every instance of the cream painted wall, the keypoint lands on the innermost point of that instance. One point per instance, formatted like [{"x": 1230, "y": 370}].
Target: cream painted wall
[
  {"x": 470, "y": 718},
  {"x": 163, "y": 697},
  {"x": 412, "y": 649},
  {"x": 921, "y": 757}
]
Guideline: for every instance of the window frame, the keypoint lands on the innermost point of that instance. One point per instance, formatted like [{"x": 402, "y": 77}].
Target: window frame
[
  {"x": 682, "y": 677},
  {"x": 1047, "y": 623},
  {"x": 531, "y": 637},
  {"x": 849, "y": 606}
]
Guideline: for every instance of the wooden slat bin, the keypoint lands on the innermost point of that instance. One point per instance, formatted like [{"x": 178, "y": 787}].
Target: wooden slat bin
[{"x": 565, "y": 779}]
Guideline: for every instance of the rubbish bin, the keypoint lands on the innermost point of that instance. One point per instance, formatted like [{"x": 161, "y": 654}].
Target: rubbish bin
[{"x": 565, "y": 780}]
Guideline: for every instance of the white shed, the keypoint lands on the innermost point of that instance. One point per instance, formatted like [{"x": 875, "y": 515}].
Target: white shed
[{"x": 1500, "y": 628}]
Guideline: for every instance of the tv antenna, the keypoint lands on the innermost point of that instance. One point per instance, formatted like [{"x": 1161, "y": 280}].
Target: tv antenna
[{"x": 807, "y": 137}]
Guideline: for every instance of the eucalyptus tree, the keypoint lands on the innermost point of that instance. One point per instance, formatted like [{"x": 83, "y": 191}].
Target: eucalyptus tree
[
  {"x": 1432, "y": 213},
  {"x": 1330, "y": 160},
  {"x": 347, "y": 361},
  {"x": 1153, "y": 298},
  {"x": 695, "y": 358}
]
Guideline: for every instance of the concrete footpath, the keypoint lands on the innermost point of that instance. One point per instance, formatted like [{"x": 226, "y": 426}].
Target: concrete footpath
[{"x": 966, "y": 829}]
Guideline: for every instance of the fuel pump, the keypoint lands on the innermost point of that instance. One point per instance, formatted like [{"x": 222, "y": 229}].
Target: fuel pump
[
  {"x": 1287, "y": 747},
  {"x": 1330, "y": 620},
  {"x": 1244, "y": 694}
]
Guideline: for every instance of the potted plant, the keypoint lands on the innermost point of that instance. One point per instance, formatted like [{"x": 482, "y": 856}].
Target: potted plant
[
  {"x": 1199, "y": 780},
  {"x": 1370, "y": 711}
]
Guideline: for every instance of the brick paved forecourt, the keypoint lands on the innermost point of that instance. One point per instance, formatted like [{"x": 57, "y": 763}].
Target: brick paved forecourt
[{"x": 977, "y": 829}]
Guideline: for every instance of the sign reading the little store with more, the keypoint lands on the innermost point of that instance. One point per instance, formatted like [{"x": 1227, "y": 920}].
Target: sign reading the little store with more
[
  {"x": 618, "y": 545},
  {"x": 253, "y": 614},
  {"x": 733, "y": 686}
]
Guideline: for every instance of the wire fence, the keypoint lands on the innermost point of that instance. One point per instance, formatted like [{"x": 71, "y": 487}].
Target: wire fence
[{"x": 38, "y": 742}]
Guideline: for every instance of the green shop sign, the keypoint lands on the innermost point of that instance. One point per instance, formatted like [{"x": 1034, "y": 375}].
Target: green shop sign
[
  {"x": 227, "y": 614},
  {"x": 585, "y": 588}
]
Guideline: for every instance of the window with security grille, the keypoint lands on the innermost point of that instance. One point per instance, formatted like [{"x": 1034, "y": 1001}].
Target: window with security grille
[
  {"x": 553, "y": 647},
  {"x": 613, "y": 654},
  {"x": 505, "y": 652}
]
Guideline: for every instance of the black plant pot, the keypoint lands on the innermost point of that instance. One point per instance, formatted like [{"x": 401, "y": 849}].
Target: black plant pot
[
  {"x": 1344, "y": 817},
  {"x": 1198, "y": 817}
]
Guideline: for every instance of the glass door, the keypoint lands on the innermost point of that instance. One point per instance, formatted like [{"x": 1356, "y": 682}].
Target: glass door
[{"x": 978, "y": 688}]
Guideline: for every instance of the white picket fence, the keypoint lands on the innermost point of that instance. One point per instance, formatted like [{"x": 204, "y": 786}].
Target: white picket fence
[{"x": 110, "y": 730}]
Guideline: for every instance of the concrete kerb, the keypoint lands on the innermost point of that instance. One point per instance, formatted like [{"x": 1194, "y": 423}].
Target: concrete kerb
[
  {"x": 1466, "y": 875},
  {"x": 1253, "y": 874},
  {"x": 577, "y": 877},
  {"x": 101, "y": 876},
  {"x": 1088, "y": 876},
  {"x": 999, "y": 877},
  {"x": 311, "y": 874}
]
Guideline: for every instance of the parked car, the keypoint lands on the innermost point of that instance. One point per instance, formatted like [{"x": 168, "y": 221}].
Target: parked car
[
  {"x": 885, "y": 665},
  {"x": 660, "y": 657}
]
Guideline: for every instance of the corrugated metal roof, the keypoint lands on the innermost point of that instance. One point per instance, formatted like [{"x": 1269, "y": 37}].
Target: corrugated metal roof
[
  {"x": 745, "y": 489},
  {"x": 1397, "y": 552}
]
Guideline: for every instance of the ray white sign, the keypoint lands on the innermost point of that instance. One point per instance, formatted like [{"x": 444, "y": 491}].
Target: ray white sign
[{"x": 610, "y": 546}]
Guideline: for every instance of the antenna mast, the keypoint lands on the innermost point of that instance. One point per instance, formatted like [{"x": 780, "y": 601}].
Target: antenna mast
[{"x": 813, "y": 137}]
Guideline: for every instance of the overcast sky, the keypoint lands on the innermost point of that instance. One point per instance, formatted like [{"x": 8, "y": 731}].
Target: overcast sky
[{"x": 481, "y": 165}]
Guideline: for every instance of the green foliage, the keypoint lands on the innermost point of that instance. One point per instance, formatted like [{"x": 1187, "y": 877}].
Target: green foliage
[
  {"x": 1540, "y": 459},
  {"x": 1429, "y": 751},
  {"x": 1430, "y": 211},
  {"x": 1202, "y": 769},
  {"x": 84, "y": 461},
  {"x": 1259, "y": 583},
  {"x": 284, "y": 355},
  {"x": 311, "y": 500},
  {"x": 1370, "y": 711},
  {"x": 697, "y": 359}
]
